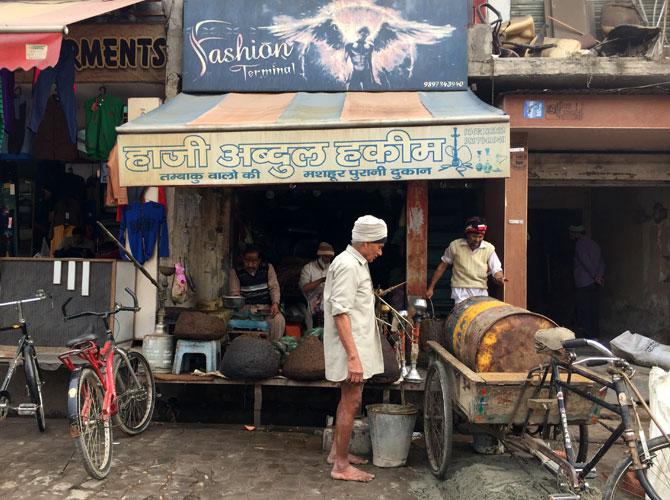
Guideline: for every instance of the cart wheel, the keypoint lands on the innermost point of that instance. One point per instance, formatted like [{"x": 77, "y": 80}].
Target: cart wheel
[{"x": 438, "y": 418}]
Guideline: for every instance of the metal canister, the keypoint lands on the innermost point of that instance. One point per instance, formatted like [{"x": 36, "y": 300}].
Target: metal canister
[
  {"x": 488, "y": 335},
  {"x": 159, "y": 351}
]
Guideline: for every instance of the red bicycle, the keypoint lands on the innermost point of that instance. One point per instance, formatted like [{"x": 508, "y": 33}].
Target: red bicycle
[{"x": 104, "y": 388}]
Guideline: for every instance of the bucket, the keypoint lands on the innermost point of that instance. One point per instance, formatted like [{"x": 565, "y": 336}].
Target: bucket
[
  {"x": 391, "y": 428},
  {"x": 158, "y": 349},
  {"x": 491, "y": 336}
]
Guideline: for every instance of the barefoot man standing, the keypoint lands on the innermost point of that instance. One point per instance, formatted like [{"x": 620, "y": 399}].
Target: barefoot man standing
[{"x": 351, "y": 343}]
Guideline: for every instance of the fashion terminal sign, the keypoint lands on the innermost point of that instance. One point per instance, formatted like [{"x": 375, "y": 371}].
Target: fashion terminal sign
[
  {"x": 324, "y": 45},
  {"x": 340, "y": 155}
]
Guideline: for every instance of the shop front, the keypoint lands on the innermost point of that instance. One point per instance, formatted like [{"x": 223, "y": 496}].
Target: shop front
[
  {"x": 598, "y": 160},
  {"x": 68, "y": 70}
]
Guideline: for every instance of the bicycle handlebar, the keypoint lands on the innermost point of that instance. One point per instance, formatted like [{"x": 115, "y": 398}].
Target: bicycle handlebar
[
  {"x": 39, "y": 295},
  {"x": 117, "y": 308},
  {"x": 574, "y": 343}
]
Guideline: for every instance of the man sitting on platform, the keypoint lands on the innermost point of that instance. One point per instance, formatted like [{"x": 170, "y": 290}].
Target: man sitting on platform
[{"x": 256, "y": 281}]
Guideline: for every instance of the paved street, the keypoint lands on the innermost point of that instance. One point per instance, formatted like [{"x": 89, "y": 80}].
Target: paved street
[{"x": 198, "y": 461}]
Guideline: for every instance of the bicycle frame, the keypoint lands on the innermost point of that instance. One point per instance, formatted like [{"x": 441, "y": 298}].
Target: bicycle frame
[
  {"x": 577, "y": 473},
  {"x": 25, "y": 339}
]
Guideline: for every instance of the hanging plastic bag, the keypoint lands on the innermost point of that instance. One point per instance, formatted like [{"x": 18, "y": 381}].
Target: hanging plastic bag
[
  {"x": 179, "y": 286},
  {"x": 659, "y": 403}
]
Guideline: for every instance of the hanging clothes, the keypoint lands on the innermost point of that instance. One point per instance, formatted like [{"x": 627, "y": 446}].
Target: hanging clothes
[
  {"x": 103, "y": 114},
  {"x": 63, "y": 75},
  {"x": 144, "y": 222},
  {"x": 52, "y": 141}
]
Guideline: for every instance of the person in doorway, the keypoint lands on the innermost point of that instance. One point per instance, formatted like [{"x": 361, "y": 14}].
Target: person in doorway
[
  {"x": 473, "y": 259},
  {"x": 589, "y": 274},
  {"x": 351, "y": 343},
  {"x": 256, "y": 281},
  {"x": 312, "y": 280}
]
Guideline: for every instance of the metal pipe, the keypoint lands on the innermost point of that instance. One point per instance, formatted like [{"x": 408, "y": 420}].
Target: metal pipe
[
  {"x": 34, "y": 29},
  {"x": 183, "y": 129}
]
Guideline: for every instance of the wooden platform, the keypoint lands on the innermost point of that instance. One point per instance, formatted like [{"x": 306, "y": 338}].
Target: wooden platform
[{"x": 278, "y": 381}]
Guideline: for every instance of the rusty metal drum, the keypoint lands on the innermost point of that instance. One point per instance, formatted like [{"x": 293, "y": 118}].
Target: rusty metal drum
[{"x": 488, "y": 335}]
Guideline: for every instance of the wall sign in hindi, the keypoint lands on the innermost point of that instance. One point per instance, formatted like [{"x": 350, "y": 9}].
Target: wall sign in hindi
[
  {"x": 324, "y": 45},
  {"x": 292, "y": 157}
]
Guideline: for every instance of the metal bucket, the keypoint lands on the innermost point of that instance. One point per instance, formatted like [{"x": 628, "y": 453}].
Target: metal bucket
[
  {"x": 159, "y": 351},
  {"x": 491, "y": 336},
  {"x": 391, "y": 428}
]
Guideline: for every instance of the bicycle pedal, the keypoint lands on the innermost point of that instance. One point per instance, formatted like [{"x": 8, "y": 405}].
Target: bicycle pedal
[{"x": 26, "y": 409}]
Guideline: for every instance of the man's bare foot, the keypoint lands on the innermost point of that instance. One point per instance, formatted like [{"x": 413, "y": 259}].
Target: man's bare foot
[
  {"x": 351, "y": 473},
  {"x": 353, "y": 459}
]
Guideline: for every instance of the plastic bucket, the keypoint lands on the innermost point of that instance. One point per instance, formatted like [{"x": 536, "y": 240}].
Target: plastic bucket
[
  {"x": 391, "y": 428},
  {"x": 159, "y": 350}
]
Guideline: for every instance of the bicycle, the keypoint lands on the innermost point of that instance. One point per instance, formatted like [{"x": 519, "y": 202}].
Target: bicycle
[
  {"x": 26, "y": 351},
  {"x": 647, "y": 460},
  {"x": 105, "y": 388}
]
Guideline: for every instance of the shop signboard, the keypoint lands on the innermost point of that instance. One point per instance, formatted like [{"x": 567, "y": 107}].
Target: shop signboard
[
  {"x": 324, "y": 45},
  {"x": 238, "y": 158},
  {"x": 107, "y": 53}
]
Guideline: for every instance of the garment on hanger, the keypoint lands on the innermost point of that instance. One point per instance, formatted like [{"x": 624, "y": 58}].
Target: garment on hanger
[
  {"x": 7, "y": 91},
  {"x": 103, "y": 114},
  {"x": 63, "y": 74},
  {"x": 144, "y": 222},
  {"x": 21, "y": 107},
  {"x": 52, "y": 141}
]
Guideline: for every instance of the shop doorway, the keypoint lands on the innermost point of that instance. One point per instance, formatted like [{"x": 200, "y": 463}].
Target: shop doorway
[
  {"x": 550, "y": 263},
  {"x": 287, "y": 224}
]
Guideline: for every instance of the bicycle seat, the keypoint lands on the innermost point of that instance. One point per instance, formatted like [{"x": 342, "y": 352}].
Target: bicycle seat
[
  {"x": 81, "y": 340},
  {"x": 549, "y": 339}
]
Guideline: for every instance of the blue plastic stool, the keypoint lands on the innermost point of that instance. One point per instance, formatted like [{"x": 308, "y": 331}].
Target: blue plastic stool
[{"x": 210, "y": 348}]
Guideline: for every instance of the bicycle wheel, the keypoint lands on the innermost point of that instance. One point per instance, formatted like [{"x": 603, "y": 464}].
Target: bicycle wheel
[
  {"x": 438, "y": 419},
  {"x": 34, "y": 384},
  {"x": 135, "y": 401},
  {"x": 93, "y": 432},
  {"x": 623, "y": 483}
]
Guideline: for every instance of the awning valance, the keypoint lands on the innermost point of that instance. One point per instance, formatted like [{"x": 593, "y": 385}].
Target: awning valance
[
  {"x": 31, "y": 32},
  {"x": 238, "y": 139}
]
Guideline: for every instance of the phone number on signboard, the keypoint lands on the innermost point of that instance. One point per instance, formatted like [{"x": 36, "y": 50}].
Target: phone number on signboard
[{"x": 449, "y": 84}]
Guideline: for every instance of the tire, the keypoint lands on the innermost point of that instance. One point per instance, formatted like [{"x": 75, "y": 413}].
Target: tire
[
  {"x": 93, "y": 434},
  {"x": 34, "y": 384},
  {"x": 618, "y": 482},
  {"x": 438, "y": 419},
  {"x": 135, "y": 404}
]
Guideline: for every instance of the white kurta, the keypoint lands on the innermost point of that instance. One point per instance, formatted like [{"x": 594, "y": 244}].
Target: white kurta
[{"x": 349, "y": 291}]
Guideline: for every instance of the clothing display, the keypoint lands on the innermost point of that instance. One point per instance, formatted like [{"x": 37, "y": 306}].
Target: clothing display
[
  {"x": 103, "y": 114},
  {"x": 145, "y": 223},
  {"x": 63, "y": 75},
  {"x": 52, "y": 140}
]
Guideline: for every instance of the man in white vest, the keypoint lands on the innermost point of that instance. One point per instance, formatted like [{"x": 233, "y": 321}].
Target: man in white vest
[{"x": 473, "y": 260}]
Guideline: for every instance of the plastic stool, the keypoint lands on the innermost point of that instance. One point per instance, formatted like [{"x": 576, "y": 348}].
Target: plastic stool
[{"x": 210, "y": 348}]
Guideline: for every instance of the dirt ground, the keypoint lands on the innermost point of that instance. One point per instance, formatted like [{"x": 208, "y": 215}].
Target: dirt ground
[{"x": 203, "y": 461}]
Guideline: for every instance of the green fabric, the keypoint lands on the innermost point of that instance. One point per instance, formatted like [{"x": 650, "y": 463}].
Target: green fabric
[
  {"x": 101, "y": 125},
  {"x": 316, "y": 332}
]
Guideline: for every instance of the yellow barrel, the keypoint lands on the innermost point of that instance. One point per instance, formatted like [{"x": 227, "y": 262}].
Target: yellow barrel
[{"x": 488, "y": 335}]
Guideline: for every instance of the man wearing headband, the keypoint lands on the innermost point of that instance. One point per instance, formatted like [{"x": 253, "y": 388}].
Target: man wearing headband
[
  {"x": 473, "y": 260},
  {"x": 312, "y": 279},
  {"x": 351, "y": 344}
]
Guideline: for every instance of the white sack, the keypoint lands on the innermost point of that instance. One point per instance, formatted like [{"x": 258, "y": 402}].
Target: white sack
[
  {"x": 641, "y": 350},
  {"x": 659, "y": 403}
]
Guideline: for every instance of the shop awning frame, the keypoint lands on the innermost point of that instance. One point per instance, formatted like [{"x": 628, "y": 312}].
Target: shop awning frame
[
  {"x": 242, "y": 139},
  {"x": 31, "y": 33}
]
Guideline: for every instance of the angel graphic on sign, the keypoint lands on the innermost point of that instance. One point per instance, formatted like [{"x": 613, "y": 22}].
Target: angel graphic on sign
[{"x": 359, "y": 42}]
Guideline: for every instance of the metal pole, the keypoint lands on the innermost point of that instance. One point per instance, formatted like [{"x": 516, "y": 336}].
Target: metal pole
[{"x": 128, "y": 254}]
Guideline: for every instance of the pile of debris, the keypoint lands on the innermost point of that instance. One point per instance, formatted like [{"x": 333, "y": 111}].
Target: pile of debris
[{"x": 569, "y": 29}]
